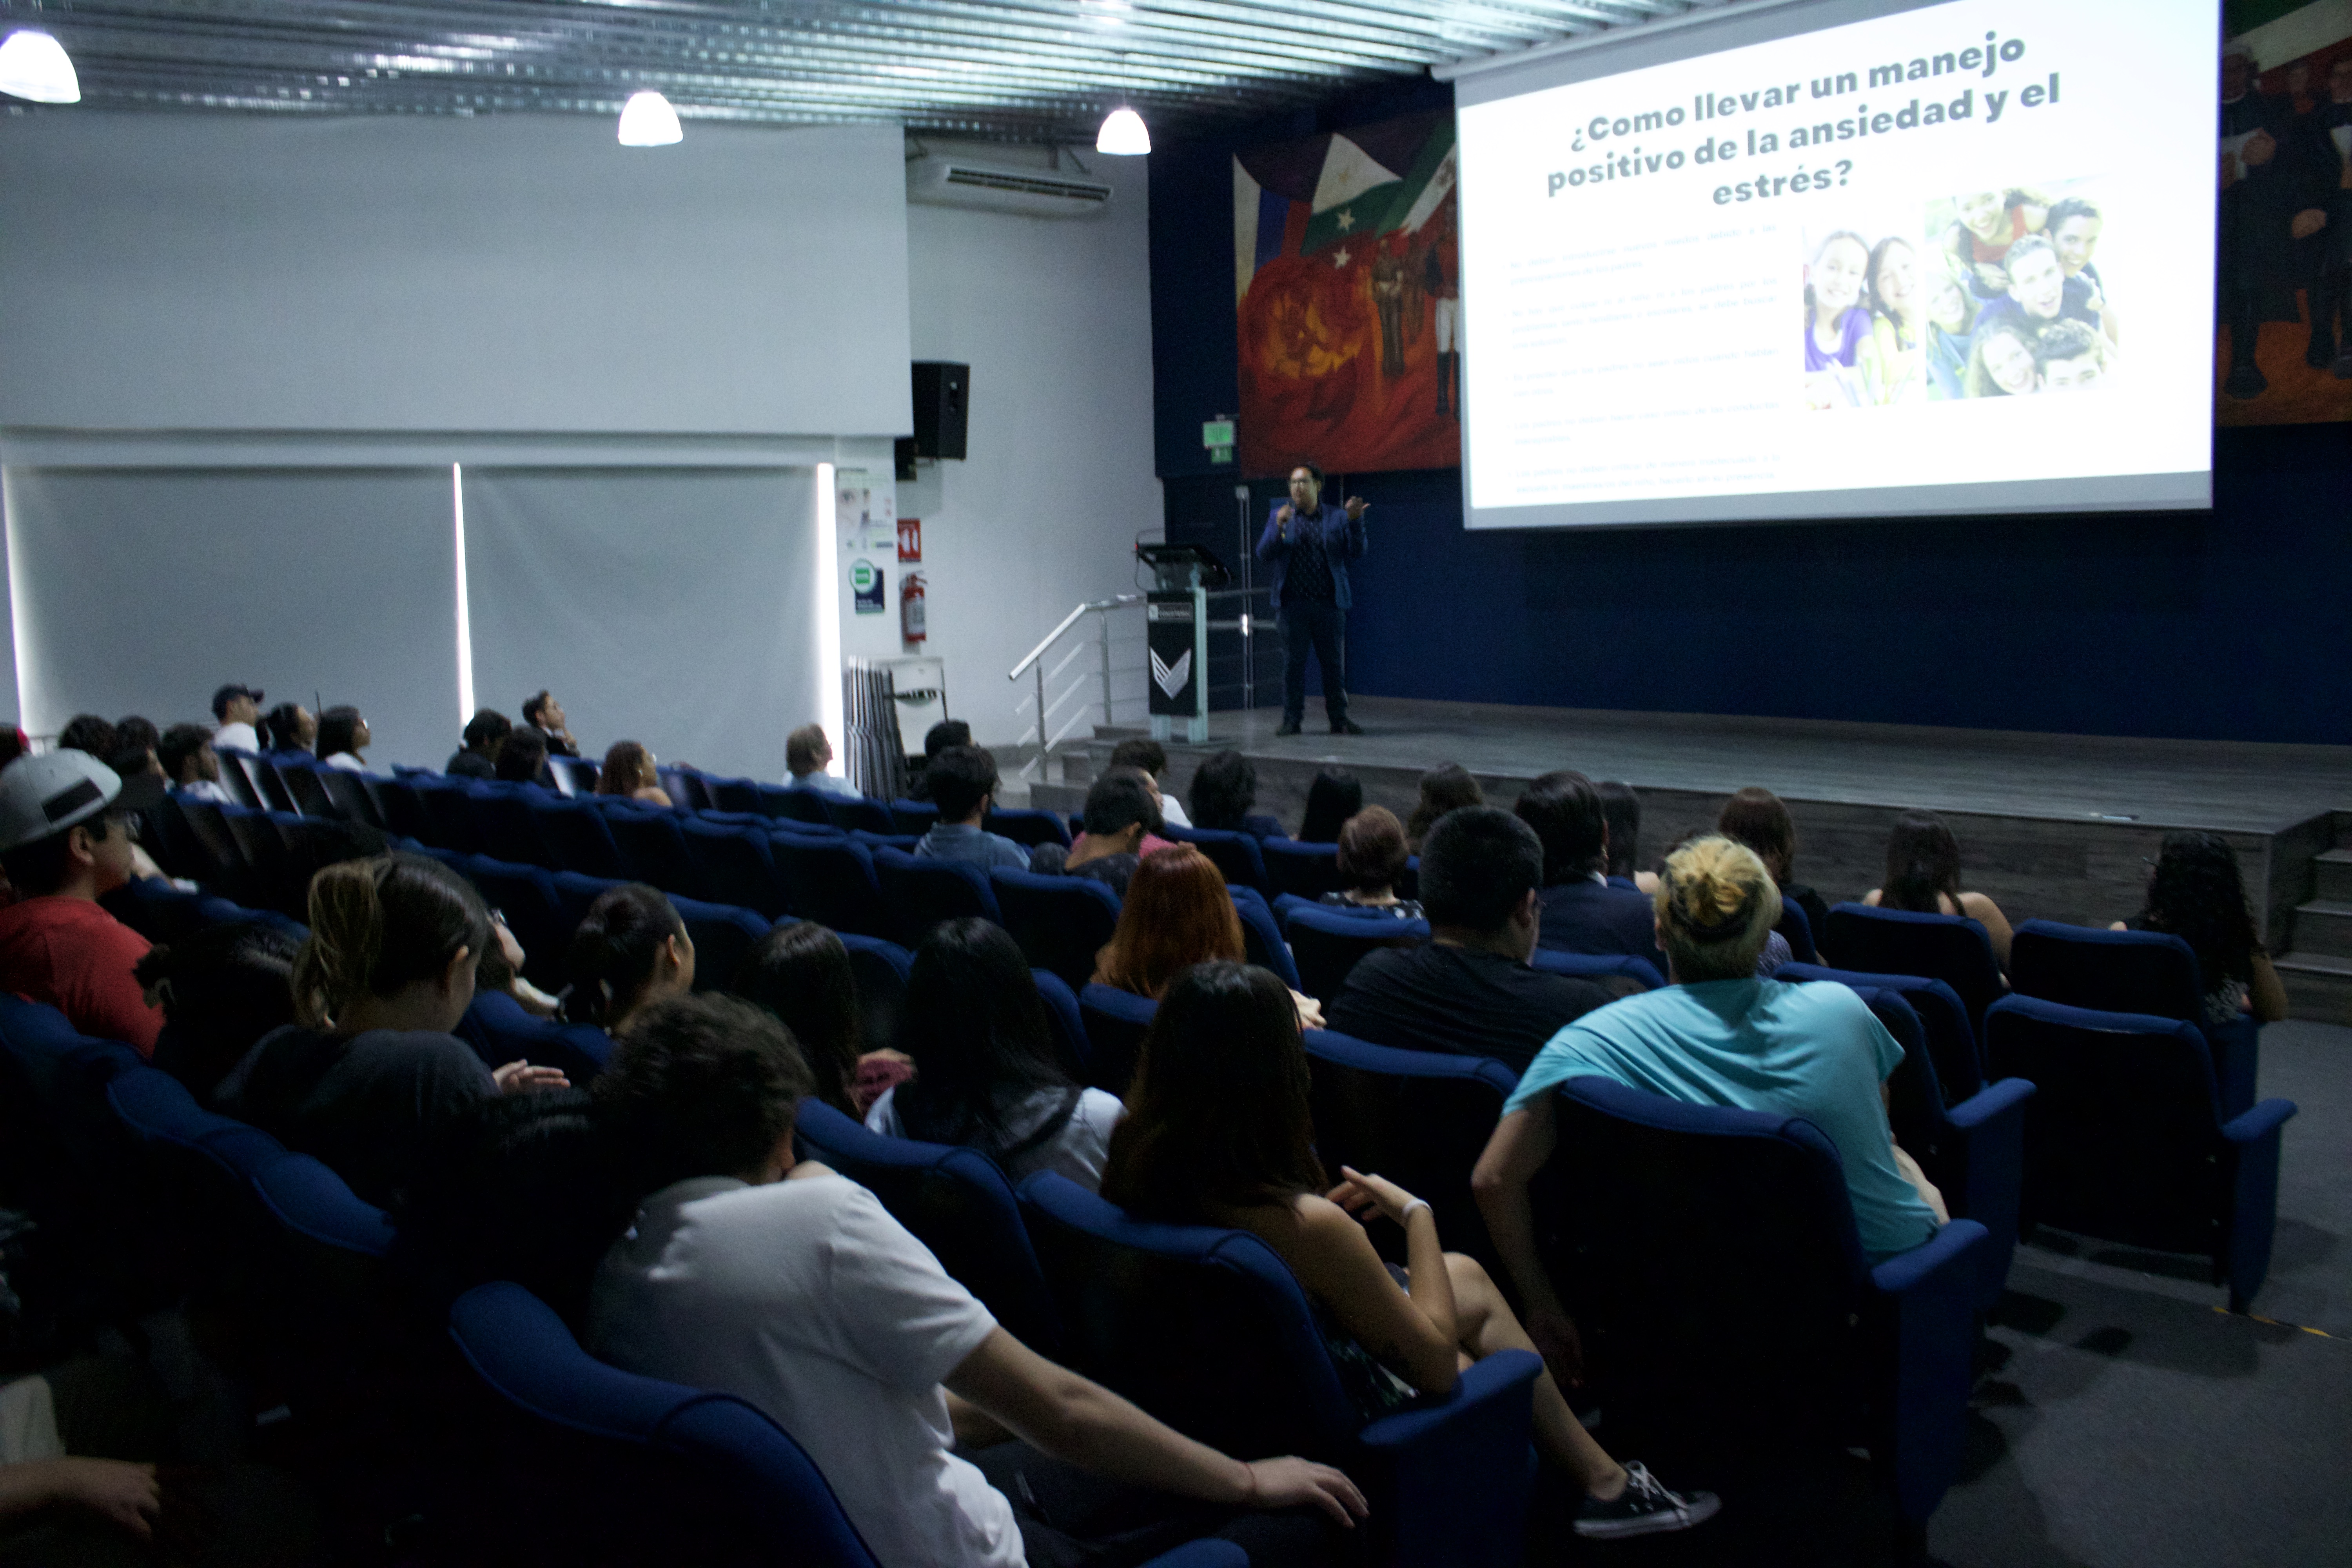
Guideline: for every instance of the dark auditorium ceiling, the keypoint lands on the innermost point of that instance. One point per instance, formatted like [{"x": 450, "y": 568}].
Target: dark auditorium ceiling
[{"x": 1038, "y": 71}]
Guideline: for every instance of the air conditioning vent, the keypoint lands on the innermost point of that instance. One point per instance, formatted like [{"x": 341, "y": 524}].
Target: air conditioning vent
[{"x": 1040, "y": 192}]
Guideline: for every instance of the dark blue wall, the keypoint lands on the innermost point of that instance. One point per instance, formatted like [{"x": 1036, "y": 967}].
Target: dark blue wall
[{"x": 2233, "y": 625}]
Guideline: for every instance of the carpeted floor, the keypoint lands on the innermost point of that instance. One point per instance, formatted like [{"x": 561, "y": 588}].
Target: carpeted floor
[{"x": 2135, "y": 1425}]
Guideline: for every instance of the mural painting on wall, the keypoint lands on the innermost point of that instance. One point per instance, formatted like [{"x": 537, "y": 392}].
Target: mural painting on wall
[
  {"x": 2284, "y": 349},
  {"x": 1347, "y": 293}
]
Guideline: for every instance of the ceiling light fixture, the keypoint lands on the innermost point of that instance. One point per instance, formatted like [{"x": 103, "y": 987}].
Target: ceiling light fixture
[
  {"x": 649, "y": 120},
  {"x": 1123, "y": 134},
  {"x": 33, "y": 65}
]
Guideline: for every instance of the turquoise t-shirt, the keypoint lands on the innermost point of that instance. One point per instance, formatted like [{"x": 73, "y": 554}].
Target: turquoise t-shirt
[{"x": 1809, "y": 1049}]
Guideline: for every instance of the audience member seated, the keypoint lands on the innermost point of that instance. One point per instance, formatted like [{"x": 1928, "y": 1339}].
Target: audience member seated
[
  {"x": 1224, "y": 787},
  {"x": 1760, "y": 820},
  {"x": 369, "y": 1078},
  {"x": 1336, "y": 795},
  {"x": 522, "y": 758},
  {"x": 963, "y": 786},
  {"x": 1220, "y": 1136},
  {"x": 1371, "y": 859},
  {"x": 630, "y": 951},
  {"x": 235, "y": 708},
  {"x": 2195, "y": 893},
  {"x": 68, "y": 835},
  {"x": 501, "y": 970},
  {"x": 800, "y": 974},
  {"x": 191, "y": 768},
  {"x": 752, "y": 1273},
  {"x": 1143, "y": 752},
  {"x": 135, "y": 743},
  {"x": 79, "y": 1511},
  {"x": 808, "y": 759},
  {"x": 1923, "y": 875},
  {"x": 88, "y": 733},
  {"x": 221, "y": 987},
  {"x": 1446, "y": 787},
  {"x": 628, "y": 770},
  {"x": 1471, "y": 991},
  {"x": 985, "y": 1074},
  {"x": 343, "y": 737},
  {"x": 937, "y": 739},
  {"x": 545, "y": 714},
  {"x": 1620, "y": 808},
  {"x": 1120, "y": 814},
  {"x": 1718, "y": 1036},
  {"x": 477, "y": 757},
  {"x": 1581, "y": 912},
  {"x": 1179, "y": 912},
  {"x": 289, "y": 731}
]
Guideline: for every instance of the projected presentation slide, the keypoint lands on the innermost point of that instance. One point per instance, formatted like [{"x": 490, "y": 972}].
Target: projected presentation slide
[{"x": 1955, "y": 259}]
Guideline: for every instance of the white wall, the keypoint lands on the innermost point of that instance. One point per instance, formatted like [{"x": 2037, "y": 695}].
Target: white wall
[
  {"x": 1053, "y": 315},
  {"x": 501, "y": 273}
]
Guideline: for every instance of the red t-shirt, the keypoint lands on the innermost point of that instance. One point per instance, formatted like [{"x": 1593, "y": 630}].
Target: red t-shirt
[{"x": 76, "y": 957}]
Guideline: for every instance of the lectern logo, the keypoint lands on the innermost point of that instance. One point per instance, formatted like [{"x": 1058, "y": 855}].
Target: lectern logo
[{"x": 1171, "y": 677}]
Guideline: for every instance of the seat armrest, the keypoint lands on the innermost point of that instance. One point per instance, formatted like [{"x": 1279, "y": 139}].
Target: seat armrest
[
  {"x": 2260, "y": 1122},
  {"x": 1925, "y": 1333},
  {"x": 1931, "y": 1263},
  {"x": 1453, "y": 1477},
  {"x": 1202, "y": 1554},
  {"x": 1990, "y": 1102}
]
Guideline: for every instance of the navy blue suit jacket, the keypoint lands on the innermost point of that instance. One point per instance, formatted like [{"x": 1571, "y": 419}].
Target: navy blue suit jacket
[{"x": 1343, "y": 540}]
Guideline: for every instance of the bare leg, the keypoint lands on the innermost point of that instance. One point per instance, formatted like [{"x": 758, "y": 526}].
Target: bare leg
[{"x": 1487, "y": 1326}]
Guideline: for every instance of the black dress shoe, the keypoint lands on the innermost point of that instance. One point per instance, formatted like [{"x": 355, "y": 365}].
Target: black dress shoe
[
  {"x": 1288, "y": 726},
  {"x": 2245, "y": 381},
  {"x": 1346, "y": 727}
]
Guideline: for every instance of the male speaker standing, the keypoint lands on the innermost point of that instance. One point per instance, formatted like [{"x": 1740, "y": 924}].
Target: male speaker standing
[{"x": 1310, "y": 545}]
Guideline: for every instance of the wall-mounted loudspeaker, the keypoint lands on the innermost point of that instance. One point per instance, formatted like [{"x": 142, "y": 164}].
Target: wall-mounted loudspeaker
[{"x": 942, "y": 399}]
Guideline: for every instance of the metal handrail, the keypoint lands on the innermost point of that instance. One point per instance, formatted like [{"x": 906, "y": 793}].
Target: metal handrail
[{"x": 1115, "y": 601}]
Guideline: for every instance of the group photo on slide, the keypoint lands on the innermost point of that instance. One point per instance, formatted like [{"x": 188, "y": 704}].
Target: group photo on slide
[{"x": 1995, "y": 293}]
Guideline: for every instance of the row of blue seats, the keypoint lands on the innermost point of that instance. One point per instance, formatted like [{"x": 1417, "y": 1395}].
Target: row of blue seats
[{"x": 316, "y": 1254}]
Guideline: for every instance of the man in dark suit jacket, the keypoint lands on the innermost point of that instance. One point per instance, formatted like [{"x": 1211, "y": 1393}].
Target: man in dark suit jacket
[
  {"x": 1582, "y": 911},
  {"x": 1310, "y": 545}
]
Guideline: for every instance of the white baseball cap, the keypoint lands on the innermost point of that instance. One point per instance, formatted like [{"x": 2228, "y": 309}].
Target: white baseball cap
[{"x": 44, "y": 796}]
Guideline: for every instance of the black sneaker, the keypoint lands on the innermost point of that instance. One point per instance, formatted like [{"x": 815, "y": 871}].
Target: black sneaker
[
  {"x": 1287, "y": 727},
  {"x": 2245, "y": 381},
  {"x": 1643, "y": 1508},
  {"x": 1346, "y": 727}
]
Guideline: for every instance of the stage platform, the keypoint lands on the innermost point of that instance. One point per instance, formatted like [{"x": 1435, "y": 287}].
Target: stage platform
[{"x": 2051, "y": 826}]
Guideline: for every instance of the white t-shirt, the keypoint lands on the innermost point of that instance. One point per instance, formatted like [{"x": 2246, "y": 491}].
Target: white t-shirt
[
  {"x": 1172, "y": 812},
  {"x": 1080, "y": 1151},
  {"x": 806, "y": 1299},
  {"x": 347, "y": 761},
  {"x": 240, "y": 736}
]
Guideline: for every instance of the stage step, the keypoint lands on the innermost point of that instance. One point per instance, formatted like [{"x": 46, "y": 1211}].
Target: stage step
[
  {"x": 2322, "y": 929},
  {"x": 2331, "y": 872},
  {"x": 2317, "y": 987}
]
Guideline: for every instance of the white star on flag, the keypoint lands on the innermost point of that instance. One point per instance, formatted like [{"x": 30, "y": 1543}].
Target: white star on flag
[
  {"x": 1342, "y": 258},
  {"x": 1346, "y": 219}
]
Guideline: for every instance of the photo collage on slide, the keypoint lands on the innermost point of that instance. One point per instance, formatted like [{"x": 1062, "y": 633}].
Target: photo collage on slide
[{"x": 1995, "y": 293}]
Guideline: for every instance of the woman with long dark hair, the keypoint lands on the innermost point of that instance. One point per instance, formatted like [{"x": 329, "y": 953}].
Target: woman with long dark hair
[
  {"x": 800, "y": 972},
  {"x": 1446, "y": 787},
  {"x": 2195, "y": 893},
  {"x": 1223, "y": 795},
  {"x": 1760, "y": 820},
  {"x": 343, "y": 736},
  {"x": 985, "y": 1073},
  {"x": 630, "y": 951},
  {"x": 1336, "y": 795},
  {"x": 1218, "y": 1133},
  {"x": 1923, "y": 875},
  {"x": 629, "y": 771}
]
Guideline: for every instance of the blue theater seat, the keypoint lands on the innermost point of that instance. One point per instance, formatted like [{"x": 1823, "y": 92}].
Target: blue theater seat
[
  {"x": 723, "y": 937},
  {"x": 1733, "y": 1325},
  {"x": 1419, "y": 1118},
  {"x": 1237, "y": 855},
  {"x": 506, "y": 824},
  {"x": 1592, "y": 965},
  {"x": 1300, "y": 870},
  {"x": 1114, "y": 1022},
  {"x": 920, "y": 893},
  {"x": 1027, "y": 828},
  {"x": 833, "y": 882},
  {"x": 736, "y": 866},
  {"x": 502, "y": 1030},
  {"x": 1207, "y": 1329},
  {"x": 1328, "y": 942},
  {"x": 1949, "y": 948},
  {"x": 2126, "y": 1139},
  {"x": 878, "y": 968},
  {"x": 1061, "y": 922},
  {"x": 1262, "y": 938},
  {"x": 915, "y": 816},
  {"x": 653, "y": 847},
  {"x": 1959, "y": 1061},
  {"x": 2152, "y": 972},
  {"x": 534, "y": 911},
  {"x": 957, "y": 1203},
  {"x": 857, "y": 815}
]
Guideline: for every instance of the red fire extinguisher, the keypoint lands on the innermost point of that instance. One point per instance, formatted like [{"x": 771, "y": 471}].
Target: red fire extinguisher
[{"x": 910, "y": 607}]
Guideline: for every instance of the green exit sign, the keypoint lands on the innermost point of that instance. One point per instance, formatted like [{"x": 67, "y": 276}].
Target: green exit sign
[{"x": 1217, "y": 433}]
